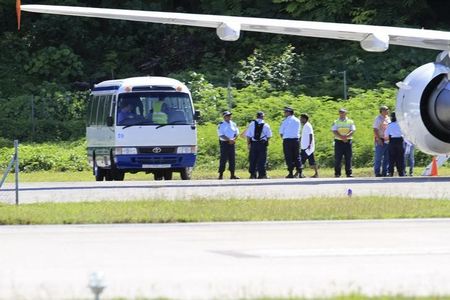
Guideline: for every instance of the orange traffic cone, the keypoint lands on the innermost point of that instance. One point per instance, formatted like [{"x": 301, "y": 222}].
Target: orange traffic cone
[{"x": 434, "y": 167}]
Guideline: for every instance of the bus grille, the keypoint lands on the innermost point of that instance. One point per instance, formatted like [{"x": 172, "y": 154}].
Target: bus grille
[{"x": 159, "y": 150}]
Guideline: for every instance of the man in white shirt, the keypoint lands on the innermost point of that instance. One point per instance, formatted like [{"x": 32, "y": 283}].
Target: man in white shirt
[
  {"x": 307, "y": 144},
  {"x": 290, "y": 133},
  {"x": 381, "y": 160},
  {"x": 394, "y": 137},
  {"x": 227, "y": 132},
  {"x": 258, "y": 134}
]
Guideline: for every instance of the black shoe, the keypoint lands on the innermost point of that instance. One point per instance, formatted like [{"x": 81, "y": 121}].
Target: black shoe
[
  {"x": 263, "y": 177},
  {"x": 290, "y": 175},
  {"x": 252, "y": 176},
  {"x": 234, "y": 177},
  {"x": 300, "y": 175},
  {"x": 337, "y": 176},
  {"x": 350, "y": 176},
  {"x": 220, "y": 176},
  {"x": 378, "y": 175}
]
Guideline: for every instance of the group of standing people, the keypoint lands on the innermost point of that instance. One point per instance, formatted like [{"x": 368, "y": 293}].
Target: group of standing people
[
  {"x": 391, "y": 149},
  {"x": 298, "y": 144}
]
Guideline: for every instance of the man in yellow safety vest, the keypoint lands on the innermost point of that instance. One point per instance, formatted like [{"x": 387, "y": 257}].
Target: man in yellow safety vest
[
  {"x": 343, "y": 129},
  {"x": 158, "y": 115}
]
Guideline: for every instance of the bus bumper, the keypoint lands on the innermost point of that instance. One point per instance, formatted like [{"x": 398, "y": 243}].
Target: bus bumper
[{"x": 154, "y": 161}]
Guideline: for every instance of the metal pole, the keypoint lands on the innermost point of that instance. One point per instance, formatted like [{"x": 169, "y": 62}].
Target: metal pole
[
  {"x": 16, "y": 158},
  {"x": 229, "y": 96},
  {"x": 345, "y": 85},
  {"x": 33, "y": 125}
]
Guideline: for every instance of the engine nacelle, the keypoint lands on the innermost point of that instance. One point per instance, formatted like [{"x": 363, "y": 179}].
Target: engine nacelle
[
  {"x": 423, "y": 108},
  {"x": 229, "y": 31},
  {"x": 375, "y": 42}
]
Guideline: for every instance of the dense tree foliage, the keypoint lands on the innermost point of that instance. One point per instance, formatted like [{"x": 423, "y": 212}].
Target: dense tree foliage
[
  {"x": 47, "y": 68},
  {"x": 66, "y": 50}
]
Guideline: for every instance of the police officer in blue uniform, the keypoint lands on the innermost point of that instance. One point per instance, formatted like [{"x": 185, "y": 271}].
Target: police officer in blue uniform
[
  {"x": 258, "y": 134},
  {"x": 394, "y": 137},
  {"x": 290, "y": 133},
  {"x": 228, "y": 133}
]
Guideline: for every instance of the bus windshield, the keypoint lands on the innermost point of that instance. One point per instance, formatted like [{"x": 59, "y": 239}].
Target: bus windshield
[{"x": 154, "y": 108}]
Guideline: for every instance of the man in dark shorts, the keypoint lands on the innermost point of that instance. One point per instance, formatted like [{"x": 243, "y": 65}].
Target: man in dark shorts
[{"x": 307, "y": 144}]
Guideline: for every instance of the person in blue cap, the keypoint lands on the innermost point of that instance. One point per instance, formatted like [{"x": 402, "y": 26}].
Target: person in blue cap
[
  {"x": 228, "y": 133},
  {"x": 258, "y": 134},
  {"x": 290, "y": 133}
]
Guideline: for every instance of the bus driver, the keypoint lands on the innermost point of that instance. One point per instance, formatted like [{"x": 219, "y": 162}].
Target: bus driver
[{"x": 125, "y": 113}]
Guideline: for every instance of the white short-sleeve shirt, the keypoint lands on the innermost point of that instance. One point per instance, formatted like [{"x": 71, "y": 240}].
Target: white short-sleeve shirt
[
  {"x": 230, "y": 130},
  {"x": 307, "y": 129},
  {"x": 290, "y": 128},
  {"x": 266, "y": 131}
]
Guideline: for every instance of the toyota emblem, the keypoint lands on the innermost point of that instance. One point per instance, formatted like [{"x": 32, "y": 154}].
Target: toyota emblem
[{"x": 156, "y": 150}]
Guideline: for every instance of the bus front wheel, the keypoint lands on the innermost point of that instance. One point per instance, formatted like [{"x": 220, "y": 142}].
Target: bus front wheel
[
  {"x": 99, "y": 174},
  {"x": 119, "y": 175},
  {"x": 168, "y": 175},
  {"x": 158, "y": 175},
  {"x": 186, "y": 173}
]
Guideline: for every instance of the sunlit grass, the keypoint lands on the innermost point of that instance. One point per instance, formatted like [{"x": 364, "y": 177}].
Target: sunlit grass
[
  {"x": 51, "y": 176},
  {"x": 216, "y": 210}
]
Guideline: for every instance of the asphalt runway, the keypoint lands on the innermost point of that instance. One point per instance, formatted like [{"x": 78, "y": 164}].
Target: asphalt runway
[
  {"x": 227, "y": 260},
  {"x": 413, "y": 187}
]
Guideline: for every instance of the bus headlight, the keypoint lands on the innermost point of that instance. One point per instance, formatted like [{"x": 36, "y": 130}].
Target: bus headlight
[
  {"x": 187, "y": 150},
  {"x": 125, "y": 150}
]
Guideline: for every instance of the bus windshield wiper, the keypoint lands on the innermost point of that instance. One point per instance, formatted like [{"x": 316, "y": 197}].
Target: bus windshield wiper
[
  {"x": 171, "y": 123},
  {"x": 135, "y": 124}
]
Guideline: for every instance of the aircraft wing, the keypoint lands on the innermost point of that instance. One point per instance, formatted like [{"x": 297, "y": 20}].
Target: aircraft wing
[{"x": 372, "y": 38}]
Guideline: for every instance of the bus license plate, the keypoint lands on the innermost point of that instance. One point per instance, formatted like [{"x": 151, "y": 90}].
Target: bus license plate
[{"x": 165, "y": 166}]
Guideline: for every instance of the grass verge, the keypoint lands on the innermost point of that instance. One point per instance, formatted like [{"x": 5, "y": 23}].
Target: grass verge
[
  {"x": 51, "y": 176},
  {"x": 216, "y": 210}
]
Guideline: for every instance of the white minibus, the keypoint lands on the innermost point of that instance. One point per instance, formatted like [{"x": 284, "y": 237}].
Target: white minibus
[{"x": 141, "y": 124}]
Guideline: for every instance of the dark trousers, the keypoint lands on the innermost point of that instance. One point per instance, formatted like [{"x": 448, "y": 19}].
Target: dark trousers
[
  {"x": 291, "y": 149},
  {"x": 227, "y": 153},
  {"x": 396, "y": 156},
  {"x": 258, "y": 158},
  {"x": 342, "y": 148}
]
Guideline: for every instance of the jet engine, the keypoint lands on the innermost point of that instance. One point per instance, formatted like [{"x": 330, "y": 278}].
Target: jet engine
[{"x": 423, "y": 107}]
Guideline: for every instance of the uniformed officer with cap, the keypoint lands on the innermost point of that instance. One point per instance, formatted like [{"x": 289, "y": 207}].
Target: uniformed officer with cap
[
  {"x": 258, "y": 134},
  {"x": 343, "y": 129},
  {"x": 394, "y": 137},
  {"x": 290, "y": 133},
  {"x": 227, "y": 132}
]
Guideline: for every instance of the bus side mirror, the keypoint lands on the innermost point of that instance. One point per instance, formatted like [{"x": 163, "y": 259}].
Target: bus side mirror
[
  {"x": 197, "y": 115},
  {"x": 109, "y": 121}
]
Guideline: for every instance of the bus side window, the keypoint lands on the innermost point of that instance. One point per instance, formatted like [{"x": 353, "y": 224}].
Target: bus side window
[
  {"x": 106, "y": 109},
  {"x": 93, "y": 112},
  {"x": 90, "y": 110},
  {"x": 100, "y": 110}
]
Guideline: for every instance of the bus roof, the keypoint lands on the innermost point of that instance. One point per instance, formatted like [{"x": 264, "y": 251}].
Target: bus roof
[{"x": 140, "y": 84}]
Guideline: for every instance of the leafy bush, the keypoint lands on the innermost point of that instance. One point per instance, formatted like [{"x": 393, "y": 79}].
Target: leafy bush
[
  {"x": 62, "y": 156},
  {"x": 362, "y": 106}
]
